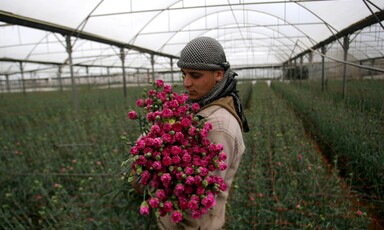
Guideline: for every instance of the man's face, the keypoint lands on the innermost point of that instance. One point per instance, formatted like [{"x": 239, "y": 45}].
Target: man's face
[{"x": 199, "y": 82}]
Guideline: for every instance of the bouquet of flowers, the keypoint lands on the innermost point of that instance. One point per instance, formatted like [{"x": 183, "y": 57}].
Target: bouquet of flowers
[{"x": 173, "y": 158}]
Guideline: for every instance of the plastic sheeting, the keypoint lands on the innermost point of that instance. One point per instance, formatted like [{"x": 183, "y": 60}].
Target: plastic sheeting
[{"x": 253, "y": 33}]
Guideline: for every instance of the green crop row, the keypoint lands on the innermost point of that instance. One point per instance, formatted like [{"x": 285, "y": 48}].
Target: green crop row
[
  {"x": 60, "y": 169},
  {"x": 283, "y": 181},
  {"x": 352, "y": 137},
  {"x": 364, "y": 96}
]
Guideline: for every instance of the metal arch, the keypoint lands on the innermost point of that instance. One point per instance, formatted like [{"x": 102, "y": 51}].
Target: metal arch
[
  {"x": 261, "y": 12},
  {"x": 168, "y": 9},
  {"x": 152, "y": 19},
  {"x": 362, "y": 33},
  {"x": 318, "y": 17},
  {"x": 270, "y": 38},
  {"x": 370, "y": 46}
]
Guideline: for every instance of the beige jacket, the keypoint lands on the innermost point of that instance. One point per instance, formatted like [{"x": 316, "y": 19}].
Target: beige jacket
[{"x": 227, "y": 131}]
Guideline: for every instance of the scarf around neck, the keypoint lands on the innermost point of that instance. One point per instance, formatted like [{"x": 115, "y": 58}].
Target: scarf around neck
[{"x": 225, "y": 87}]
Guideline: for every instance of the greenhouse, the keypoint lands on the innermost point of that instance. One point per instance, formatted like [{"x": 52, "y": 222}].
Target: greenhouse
[{"x": 310, "y": 78}]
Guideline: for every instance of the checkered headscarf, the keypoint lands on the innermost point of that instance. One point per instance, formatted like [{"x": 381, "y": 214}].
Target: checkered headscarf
[{"x": 205, "y": 53}]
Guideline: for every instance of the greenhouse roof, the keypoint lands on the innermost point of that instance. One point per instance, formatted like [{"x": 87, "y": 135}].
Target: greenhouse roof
[{"x": 253, "y": 33}]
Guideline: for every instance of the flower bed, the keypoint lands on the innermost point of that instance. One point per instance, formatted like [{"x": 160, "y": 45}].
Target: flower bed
[
  {"x": 62, "y": 171},
  {"x": 288, "y": 184},
  {"x": 355, "y": 138}
]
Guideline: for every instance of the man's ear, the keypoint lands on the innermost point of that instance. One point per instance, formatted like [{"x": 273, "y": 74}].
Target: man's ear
[{"x": 219, "y": 75}]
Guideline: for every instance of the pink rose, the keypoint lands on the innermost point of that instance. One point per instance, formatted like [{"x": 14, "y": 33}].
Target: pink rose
[
  {"x": 187, "y": 158},
  {"x": 167, "y": 161},
  {"x": 196, "y": 214},
  {"x": 175, "y": 150},
  {"x": 142, "y": 160},
  {"x": 220, "y": 147},
  {"x": 151, "y": 92},
  {"x": 134, "y": 150},
  {"x": 148, "y": 101},
  {"x": 189, "y": 170},
  {"x": 177, "y": 216},
  {"x": 173, "y": 103},
  {"x": 209, "y": 201},
  {"x": 132, "y": 115},
  {"x": 179, "y": 136},
  {"x": 186, "y": 122},
  {"x": 157, "y": 142},
  {"x": 222, "y": 166},
  {"x": 183, "y": 203},
  {"x": 222, "y": 156},
  {"x": 190, "y": 180},
  {"x": 193, "y": 205},
  {"x": 166, "y": 138},
  {"x": 192, "y": 131},
  {"x": 179, "y": 189},
  {"x": 176, "y": 160},
  {"x": 177, "y": 127},
  {"x": 200, "y": 190},
  {"x": 160, "y": 193},
  {"x": 159, "y": 83},
  {"x": 195, "y": 107},
  {"x": 203, "y": 171},
  {"x": 208, "y": 126},
  {"x": 140, "y": 144},
  {"x": 154, "y": 202},
  {"x": 166, "y": 178},
  {"x": 144, "y": 209},
  {"x": 140, "y": 102},
  {"x": 168, "y": 206},
  {"x": 157, "y": 165},
  {"x": 167, "y": 88},
  {"x": 203, "y": 133},
  {"x": 148, "y": 141},
  {"x": 198, "y": 179},
  {"x": 145, "y": 176},
  {"x": 162, "y": 96}
]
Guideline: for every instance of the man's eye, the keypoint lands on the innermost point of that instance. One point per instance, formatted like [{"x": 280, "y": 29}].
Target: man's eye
[{"x": 195, "y": 75}]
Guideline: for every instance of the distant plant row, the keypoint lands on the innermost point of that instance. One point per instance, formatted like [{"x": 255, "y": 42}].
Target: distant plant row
[{"x": 349, "y": 134}]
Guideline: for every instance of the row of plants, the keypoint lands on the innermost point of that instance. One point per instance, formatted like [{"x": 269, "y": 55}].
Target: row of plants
[
  {"x": 283, "y": 182},
  {"x": 60, "y": 168},
  {"x": 353, "y": 138},
  {"x": 361, "y": 95}
]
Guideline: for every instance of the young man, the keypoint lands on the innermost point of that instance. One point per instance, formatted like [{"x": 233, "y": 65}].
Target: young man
[{"x": 210, "y": 82}]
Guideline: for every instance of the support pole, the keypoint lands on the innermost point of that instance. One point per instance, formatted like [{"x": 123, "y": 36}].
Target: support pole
[
  {"x": 301, "y": 69},
  {"x": 371, "y": 71},
  {"x": 310, "y": 64},
  {"x": 138, "y": 77},
  {"x": 87, "y": 76},
  {"x": 22, "y": 77},
  {"x": 345, "y": 47},
  {"x": 153, "y": 67},
  {"x": 122, "y": 57},
  {"x": 74, "y": 93},
  {"x": 7, "y": 82},
  {"x": 60, "y": 80},
  {"x": 109, "y": 77},
  {"x": 323, "y": 51},
  {"x": 172, "y": 71}
]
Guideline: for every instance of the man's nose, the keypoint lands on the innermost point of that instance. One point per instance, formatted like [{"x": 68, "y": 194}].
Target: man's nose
[{"x": 187, "y": 80}]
